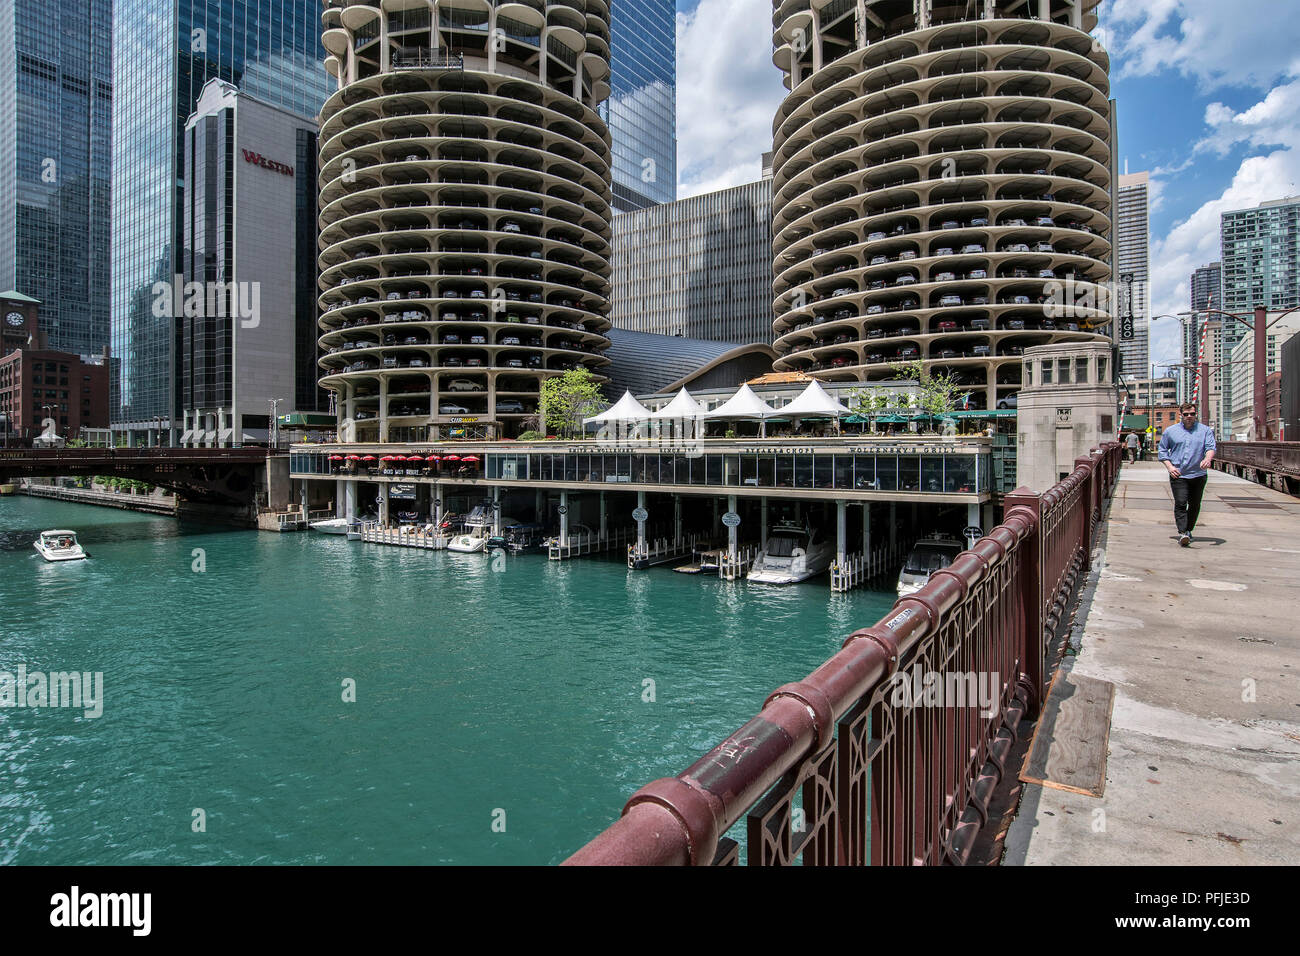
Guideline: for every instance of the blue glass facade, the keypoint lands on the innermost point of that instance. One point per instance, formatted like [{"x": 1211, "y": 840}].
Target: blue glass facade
[
  {"x": 642, "y": 107},
  {"x": 164, "y": 51},
  {"x": 56, "y": 94}
]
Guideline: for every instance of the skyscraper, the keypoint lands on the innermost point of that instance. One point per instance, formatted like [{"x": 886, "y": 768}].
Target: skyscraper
[
  {"x": 1261, "y": 261},
  {"x": 1132, "y": 253},
  {"x": 56, "y": 101},
  {"x": 164, "y": 51},
  {"x": 699, "y": 267},
  {"x": 941, "y": 188},
  {"x": 1207, "y": 287},
  {"x": 1261, "y": 266},
  {"x": 641, "y": 111},
  {"x": 1206, "y": 284},
  {"x": 464, "y": 210}
]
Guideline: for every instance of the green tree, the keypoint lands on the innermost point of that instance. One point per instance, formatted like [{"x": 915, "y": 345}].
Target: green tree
[
  {"x": 939, "y": 392},
  {"x": 569, "y": 398}
]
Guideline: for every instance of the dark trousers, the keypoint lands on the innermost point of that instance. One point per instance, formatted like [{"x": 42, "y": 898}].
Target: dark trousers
[{"x": 1187, "y": 501}]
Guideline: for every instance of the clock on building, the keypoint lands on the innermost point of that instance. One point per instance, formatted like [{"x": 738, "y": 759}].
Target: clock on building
[{"x": 15, "y": 319}]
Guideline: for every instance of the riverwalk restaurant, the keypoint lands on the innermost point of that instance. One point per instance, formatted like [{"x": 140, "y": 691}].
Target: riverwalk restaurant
[{"x": 673, "y": 467}]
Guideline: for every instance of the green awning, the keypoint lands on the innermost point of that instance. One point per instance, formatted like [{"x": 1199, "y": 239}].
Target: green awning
[
  {"x": 1136, "y": 421},
  {"x": 307, "y": 420}
]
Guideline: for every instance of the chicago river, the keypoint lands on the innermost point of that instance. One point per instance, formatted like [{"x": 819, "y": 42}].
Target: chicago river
[{"x": 504, "y": 707}]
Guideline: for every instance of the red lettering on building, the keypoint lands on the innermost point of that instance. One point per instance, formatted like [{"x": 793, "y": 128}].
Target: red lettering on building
[{"x": 257, "y": 159}]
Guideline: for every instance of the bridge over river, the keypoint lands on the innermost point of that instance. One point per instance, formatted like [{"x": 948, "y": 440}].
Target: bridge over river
[
  {"x": 1141, "y": 703},
  {"x": 219, "y": 484}
]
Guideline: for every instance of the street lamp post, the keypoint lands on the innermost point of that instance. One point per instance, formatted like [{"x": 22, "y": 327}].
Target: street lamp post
[{"x": 1259, "y": 325}]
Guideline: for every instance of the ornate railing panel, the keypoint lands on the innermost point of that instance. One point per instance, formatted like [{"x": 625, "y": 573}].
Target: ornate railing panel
[{"x": 859, "y": 762}]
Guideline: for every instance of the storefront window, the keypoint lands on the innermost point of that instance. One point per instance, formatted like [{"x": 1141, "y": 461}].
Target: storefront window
[
  {"x": 959, "y": 473},
  {"x": 864, "y": 471},
  {"x": 843, "y": 471},
  {"x": 803, "y": 471},
  {"x": 713, "y": 469},
  {"x": 887, "y": 472},
  {"x": 932, "y": 474},
  {"x": 784, "y": 471}
]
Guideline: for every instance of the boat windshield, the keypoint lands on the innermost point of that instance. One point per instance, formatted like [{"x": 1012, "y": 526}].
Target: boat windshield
[
  {"x": 926, "y": 560},
  {"x": 783, "y": 545}
]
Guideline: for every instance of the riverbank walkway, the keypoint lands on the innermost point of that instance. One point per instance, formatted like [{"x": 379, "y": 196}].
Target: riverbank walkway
[{"x": 1202, "y": 646}]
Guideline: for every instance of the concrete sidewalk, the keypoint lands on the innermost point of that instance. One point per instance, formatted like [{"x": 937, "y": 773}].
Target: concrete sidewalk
[{"x": 1197, "y": 772}]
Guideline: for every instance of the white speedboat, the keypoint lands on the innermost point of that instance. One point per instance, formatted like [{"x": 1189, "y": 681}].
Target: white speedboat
[
  {"x": 478, "y": 528},
  {"x": 927, "y": 556},
  {"x": 793, "y": 554},
  {"x": 331, "y": 526},
  {"x": 59, "y": 546}
]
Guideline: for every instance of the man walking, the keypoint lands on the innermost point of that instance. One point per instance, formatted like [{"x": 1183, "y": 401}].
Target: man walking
[
  {"x": 1131, "y": 443},
  {"x": 1187, "y": 449}
]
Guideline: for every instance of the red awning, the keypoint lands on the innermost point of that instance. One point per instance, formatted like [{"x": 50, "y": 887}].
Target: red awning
[
  {"x": 354, "y": 457},
  {"x": 451, "y": 457},
  {"x": 336, "y": 457},
  {"x": 367, "y": 457},
  {"x": 390, "y": 458},
  {"x": 414, "y": 458},
  {"x": 470, "y": 458}
]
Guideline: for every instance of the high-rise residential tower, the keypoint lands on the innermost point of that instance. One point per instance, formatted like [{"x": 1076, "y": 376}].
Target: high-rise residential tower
[
  {"x": 56, "y": 113},
  {"x": 1206, "y": 292},
  {"x": 1132, "y": 271},
  {"x": 942, "y": 187},
  {"x": 464, "y": 211},
  {"x": 164, "y": 51},
  {"x": 1207, "y": 287},
  {"x": 641, "y": 111},
  {"x": 1261, "y": 258},
  {"x": 1261, "y": 266}
]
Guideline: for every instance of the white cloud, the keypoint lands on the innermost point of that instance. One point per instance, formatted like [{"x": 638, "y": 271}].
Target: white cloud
[
  {"x": 727, "y": 93},
  {"x": 1195, "y": 241},
  {"x": 1213, "y": 43}
]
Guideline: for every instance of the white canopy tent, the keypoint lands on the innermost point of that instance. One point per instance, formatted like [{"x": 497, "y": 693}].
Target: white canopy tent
[
  {"x": 813, "y": 402},
  {"x": 682, "y": 408},
  {"x": 744, "y": 404},
  {"x": 626, "y": 409}
]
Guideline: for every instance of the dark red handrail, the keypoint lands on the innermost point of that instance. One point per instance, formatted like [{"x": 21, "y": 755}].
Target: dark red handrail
[{"x": 883, "y": 781}]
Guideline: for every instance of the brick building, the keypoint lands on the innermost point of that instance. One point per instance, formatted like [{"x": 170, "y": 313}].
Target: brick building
[{"x": 37, "y": 383}]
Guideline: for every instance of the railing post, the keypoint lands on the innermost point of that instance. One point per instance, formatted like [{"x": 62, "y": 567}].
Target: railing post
[
  {"x": 1029, "y": 584},
  {"x": 1087, "y": 498}
]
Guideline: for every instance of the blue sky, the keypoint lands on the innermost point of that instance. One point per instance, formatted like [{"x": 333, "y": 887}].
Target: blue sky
[{"x": 1208, "y": 97}]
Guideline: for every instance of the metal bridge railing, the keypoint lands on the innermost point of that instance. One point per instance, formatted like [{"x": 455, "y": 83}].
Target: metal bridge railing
[
  {"x": 848, "y": 766},
  {"x": 1272, "y": 463}
]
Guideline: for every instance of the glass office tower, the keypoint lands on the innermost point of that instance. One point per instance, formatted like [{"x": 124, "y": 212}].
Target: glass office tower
[
  {"x": 164, "y": 51},
  {"x": 641, "y": 111},
  {"x": 56, "y": 101}
]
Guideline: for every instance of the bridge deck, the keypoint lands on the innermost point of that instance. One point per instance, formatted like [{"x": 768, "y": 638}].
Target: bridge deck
[{"x": 1196, "y": 774}]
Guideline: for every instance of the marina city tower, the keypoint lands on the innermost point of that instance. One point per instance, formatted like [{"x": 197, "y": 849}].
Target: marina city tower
[
  {"x": 942, "y": 186},
  {"x": 464, "y": 211}
]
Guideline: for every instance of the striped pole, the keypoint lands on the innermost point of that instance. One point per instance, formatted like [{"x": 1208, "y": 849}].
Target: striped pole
[{"x": 1200, "y": 359}]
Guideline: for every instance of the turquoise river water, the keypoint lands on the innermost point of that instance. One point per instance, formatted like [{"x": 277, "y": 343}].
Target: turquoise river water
[{"x": 500, "y": 715}]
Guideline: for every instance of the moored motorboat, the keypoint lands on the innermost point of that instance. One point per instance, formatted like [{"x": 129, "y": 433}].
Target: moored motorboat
[
  {"x": 478, "y": 528},
  {"x": 518, "y": 538},
  {"x": 793, "y": 553},
  {"x": 331, "y": 526},
  {"x": 59, "y": 546},
  {"x": 928, "y": 555}
]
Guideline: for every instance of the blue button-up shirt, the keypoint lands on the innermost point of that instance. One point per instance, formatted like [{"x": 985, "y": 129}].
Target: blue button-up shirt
[{"x": 1185, "y": 450}]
